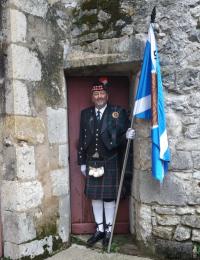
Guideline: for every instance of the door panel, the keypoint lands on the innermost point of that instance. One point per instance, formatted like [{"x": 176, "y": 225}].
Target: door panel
[{"x": 79, "y": 95}]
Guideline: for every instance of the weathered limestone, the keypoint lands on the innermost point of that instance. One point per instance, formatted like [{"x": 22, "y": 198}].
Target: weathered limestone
[
  {"x": 163, "y": 232},
  {"x": 25, "y": 158},
  {"x": 21, "y": 101},
  {"x": 28, "y": 129},
  {"x": 191, "y": 221},
  {"x": 60, "y": 182},
  {"x": 18, "y": 26},
  {"x": 57, "y": 125},
  {"x": 31, "y": 249},
  {"x": 196, "y": 235},
  {"x": 25, "y": 64},
  {"x": 38, "y": 8},
  {"x": 143, "y": 226},
  {"x": 64, "y": 221},
  {"x": 63, "y": 151},
  {"x": 182, "y": 233},
  {"x": 168, "y": 220},
  {"x": 18, "y": 227},
  {"x": 27, "y": 195}
]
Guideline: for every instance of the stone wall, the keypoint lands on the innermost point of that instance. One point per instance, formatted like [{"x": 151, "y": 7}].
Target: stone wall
[
  {"x": 86, "y": 37},
  {"x": 35, "y": 177}
]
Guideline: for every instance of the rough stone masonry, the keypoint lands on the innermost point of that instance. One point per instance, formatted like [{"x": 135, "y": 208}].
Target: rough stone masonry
[{"x": 39, "y": 40}]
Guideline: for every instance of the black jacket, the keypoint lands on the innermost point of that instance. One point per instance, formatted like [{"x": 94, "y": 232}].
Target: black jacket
[{"x": 114, "y": 124}]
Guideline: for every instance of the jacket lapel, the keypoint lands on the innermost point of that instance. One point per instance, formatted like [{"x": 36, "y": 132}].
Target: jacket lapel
[
  {"x": 105, "y": 119},
  {"x": 91, "y": 120}
]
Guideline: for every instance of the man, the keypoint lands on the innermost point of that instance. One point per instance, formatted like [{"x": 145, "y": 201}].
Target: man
[{"x": 103, "y": 132}]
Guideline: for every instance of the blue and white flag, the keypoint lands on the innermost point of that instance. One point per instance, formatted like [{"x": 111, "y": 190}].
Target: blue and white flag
[{"x": 149, "y": 104}]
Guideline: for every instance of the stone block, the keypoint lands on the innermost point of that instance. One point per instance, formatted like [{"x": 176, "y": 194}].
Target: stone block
[
  {"x": 64, "y": 220},
  {"x": 31, "y": 249},
  {"x": 9, "y": 172},
  {"x": 194, "y": 198},
  {"x": 25, "y": 157},
  {"x": 37, "y": 8},
  {"x": 174, "y": 250},
  {"x": 42, "y": 158},
  {"x": 171, "y": 193},
  {"x": 142, "y": 159},
  {"x": 185, "y": 210},
  {"x": 20, "y": 99},
  {"x": 18, "y": 227},
  {"x": 182, "y": 233},
  {"x": 63, "y": 155},
  {"x": 196, "y": 175},
  {"x": 168, "y": 220},
  {"x": 163, "y": 232},
  {"x": 165, "y": 210},
  {"x": 60, "y": 182},
  {"x": 143, "y": 222},
  {"x": 191, "y": 221},
  {"x": 103, "y": 16},
  {"x": 23, "y": 64},
  {"x": 196, "y": 159},
  {"x": 174, "y": 124},
  {"x": 196, "y": 235},
  {"x": 124, "y": 49},
  {"x": 181, "y": 160},
  {"x": 18, "y": 26},
  {"x": 188, "y": 145},
  {"x": 57, "y": 125},
  {"x": 21, "y": 196},
  {"x": 28, "y": 129}
]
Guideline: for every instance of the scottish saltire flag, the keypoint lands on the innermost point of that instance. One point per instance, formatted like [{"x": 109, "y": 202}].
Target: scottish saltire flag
[{"x": 149, "y": 104}]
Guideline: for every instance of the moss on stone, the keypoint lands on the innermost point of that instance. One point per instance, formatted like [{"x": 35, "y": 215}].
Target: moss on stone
[
  {"x": 46, "y": 230},
  {"x": 89, "y": 4},
  {"x": 58, "y": 244},
  {"x": 88, "y": 19},
  {"x": 111, "y": 7}
]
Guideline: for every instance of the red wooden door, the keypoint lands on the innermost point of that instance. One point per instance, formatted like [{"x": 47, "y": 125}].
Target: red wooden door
[{"x": 79, "y": 95}]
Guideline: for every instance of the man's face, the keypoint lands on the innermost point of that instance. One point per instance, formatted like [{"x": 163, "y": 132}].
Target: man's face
[{"x": 99, "y": 98}]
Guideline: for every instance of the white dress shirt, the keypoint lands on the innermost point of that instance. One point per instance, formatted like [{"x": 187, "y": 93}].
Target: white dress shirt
[{"x": 100, "y": 110}]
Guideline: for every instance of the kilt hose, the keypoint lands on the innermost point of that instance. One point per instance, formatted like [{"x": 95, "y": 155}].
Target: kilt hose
[{"x": 106, "y": 186}]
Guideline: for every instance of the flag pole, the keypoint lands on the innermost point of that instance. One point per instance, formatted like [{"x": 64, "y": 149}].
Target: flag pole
[
  {"x": 122, "y": 177},
  {"x": 153, "y": 16}
]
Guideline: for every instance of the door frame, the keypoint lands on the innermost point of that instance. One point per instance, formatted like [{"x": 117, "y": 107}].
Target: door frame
[{"x": 110, "y": 70}]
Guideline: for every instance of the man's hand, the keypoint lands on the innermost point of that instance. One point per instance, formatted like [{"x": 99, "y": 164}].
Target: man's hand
[
  {"x": 130, "y": 134},
  {"x": 83, "y": 169}
]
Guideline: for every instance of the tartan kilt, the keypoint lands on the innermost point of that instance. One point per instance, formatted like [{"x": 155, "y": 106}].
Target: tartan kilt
[{"x": 106, "y": 186}]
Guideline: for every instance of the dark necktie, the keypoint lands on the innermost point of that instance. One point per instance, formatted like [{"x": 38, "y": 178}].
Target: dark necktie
[{"x": 98, "y": 115}]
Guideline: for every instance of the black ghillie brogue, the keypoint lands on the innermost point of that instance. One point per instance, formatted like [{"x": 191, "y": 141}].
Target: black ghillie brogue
[{"x": 98, "y": 235}]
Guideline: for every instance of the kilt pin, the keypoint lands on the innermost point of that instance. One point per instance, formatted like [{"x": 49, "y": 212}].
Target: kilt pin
[{"x": 102, "y": 143}]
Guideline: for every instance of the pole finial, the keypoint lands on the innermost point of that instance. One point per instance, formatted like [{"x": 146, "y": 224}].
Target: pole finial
[{"x": 153, "y": 15}]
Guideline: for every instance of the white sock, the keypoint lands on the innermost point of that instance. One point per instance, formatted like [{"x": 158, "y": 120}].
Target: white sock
[
  {"x": 109, "y": 208},
  {"x": 97, "y": 206}
]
